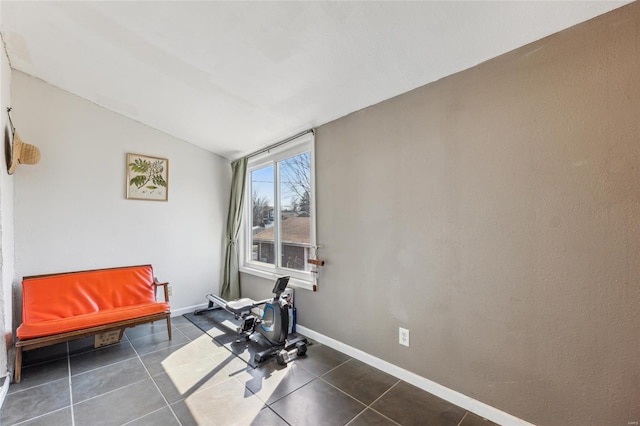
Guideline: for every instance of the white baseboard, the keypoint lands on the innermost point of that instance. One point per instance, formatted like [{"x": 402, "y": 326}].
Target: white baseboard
[
  {"x": 187, "y": 310},
  {"x": 463, "y": 401}
]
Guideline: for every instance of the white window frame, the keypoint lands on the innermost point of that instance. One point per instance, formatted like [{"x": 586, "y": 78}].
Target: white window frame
[{"x": 302, "y": 279}]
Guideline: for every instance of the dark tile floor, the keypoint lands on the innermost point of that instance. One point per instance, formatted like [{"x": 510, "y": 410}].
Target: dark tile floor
[{"x": 204, "y": 379}]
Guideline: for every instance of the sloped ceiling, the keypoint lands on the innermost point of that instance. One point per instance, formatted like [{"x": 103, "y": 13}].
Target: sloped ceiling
[{"x": 232, "y": 77}]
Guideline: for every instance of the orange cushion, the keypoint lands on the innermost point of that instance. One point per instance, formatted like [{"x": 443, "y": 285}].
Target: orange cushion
[
  {"x": 72, "y": 301},
  {"x": 62, "y": 325}
]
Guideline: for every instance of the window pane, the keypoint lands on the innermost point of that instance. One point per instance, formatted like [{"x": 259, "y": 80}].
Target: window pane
[
  {"x": 295, "y": 214},
  {"x": 262, "y": 196}
]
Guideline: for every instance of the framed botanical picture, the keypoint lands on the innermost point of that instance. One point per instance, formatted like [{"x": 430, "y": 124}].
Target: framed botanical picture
[{"x": 147, "y": 178}]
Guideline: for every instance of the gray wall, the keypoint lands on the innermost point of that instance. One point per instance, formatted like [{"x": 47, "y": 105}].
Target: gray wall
[{"x": 495, "y": 213}]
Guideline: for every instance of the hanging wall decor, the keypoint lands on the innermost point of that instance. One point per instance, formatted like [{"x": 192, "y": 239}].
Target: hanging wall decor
[
  {"x": 16, "y": 150},
  {"x": 147, "y": 178}
]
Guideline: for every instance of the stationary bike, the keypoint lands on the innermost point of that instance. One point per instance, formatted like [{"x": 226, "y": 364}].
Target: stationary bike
[{"x": 273, "y": 325}]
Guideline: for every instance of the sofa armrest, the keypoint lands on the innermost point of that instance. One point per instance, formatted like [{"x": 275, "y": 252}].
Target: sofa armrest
[{"x": 166, "y": 289}]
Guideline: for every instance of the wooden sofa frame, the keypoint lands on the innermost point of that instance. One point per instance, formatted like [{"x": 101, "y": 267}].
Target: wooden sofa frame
[{"x": 39, "y": 342}]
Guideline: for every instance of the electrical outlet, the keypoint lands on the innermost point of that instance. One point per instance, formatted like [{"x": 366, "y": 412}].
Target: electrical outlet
[
  {"x": 170, "y": 291},
  {"x": 403, "y": 337}
]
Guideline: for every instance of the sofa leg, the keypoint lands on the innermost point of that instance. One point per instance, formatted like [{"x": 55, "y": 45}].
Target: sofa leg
[
  {"x": 169, "y": 327},
  {"x": 17, "y": 374}
]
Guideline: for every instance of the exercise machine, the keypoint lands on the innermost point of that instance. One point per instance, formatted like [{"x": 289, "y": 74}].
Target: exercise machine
[{"x": 273, "y": 325}]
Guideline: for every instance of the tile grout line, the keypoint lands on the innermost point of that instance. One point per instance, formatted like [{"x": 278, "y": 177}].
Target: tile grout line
[
  {"x": 289, "y": 393},
  {"x": 154, "y": 383},
  {"x": 370, "y": 406},
  {"x": 122, "y": 387},
  {"x": 356, "y": 399},
  {"x": 142, "y": 417},
  {"x": 181, "y": 345},
  {"x": 311, "y": 381},
  {"x": 337, "y": 388},
  {"x": 337, "y": 366},
  {"x": 386, "y": 417},
  {"x": 111, "y": 391},
  {"x": 46, "y": 361},
  {"x": 463, "y": 417},
  {"x": 356, "y": 416},
  {"x": 157, "y": 350},
  {"x": 384, "y": 393},
  {"x": 108, "y": 366},
  {"x": 67, "y": 357},
  {"x": 352, "y": 397},
  {"x": 28, "y": 421},
  {"x": 91, "y": 370},
  {"x": 30, "y": 388},
  {"x": 266, "y": 405},
  {"x": 73, "y": 415}
]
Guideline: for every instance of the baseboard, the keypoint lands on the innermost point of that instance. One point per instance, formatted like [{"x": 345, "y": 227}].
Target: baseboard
[
  {"x": 468, "y": 403},
  {"x": 187, "y": 310}
]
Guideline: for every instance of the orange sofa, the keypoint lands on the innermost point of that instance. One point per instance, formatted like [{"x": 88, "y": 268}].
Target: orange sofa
[{"x": 61, "y": 307}]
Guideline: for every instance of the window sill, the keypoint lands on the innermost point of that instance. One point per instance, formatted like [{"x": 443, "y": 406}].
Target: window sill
[{"x": 293, "y": 281}]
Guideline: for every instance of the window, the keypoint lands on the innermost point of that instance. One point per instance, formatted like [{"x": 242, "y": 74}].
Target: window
[{"x": 279, "y": 221}]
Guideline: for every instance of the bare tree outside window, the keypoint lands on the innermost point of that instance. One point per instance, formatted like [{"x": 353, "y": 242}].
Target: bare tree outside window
[
  {"x": 291, "y": 223},
  {"x": 296, "y": 175},
  {"x": 261, "y": 209},
  {"x": 295, "y": 183}
]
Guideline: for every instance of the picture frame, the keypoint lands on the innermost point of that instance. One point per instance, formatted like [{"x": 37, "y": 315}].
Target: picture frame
[{"x": 147, "y": 178}]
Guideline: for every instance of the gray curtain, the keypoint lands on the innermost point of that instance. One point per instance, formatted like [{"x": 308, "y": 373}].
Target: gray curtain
[{"x": 230, "y": 289}]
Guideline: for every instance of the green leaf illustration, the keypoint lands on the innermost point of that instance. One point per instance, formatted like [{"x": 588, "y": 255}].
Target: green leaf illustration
[
  {"x": 140, "y": 166},
  {"x": 138, "y": 181},
  {"x": 147, "y": 171},
  {"x": 159, "y": 180}
]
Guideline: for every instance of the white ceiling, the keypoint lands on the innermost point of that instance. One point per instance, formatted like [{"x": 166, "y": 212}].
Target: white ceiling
[{"x": 232, "y": 77}]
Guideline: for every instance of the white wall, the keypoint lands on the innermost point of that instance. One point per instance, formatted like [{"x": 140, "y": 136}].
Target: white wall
[
  {"x": 71, "y": 212},
  {"x": 6, "y": 218}
]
